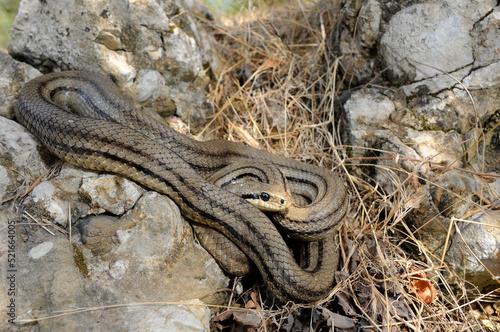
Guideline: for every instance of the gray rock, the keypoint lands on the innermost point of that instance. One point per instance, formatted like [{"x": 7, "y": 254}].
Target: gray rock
[
  {"x": 425, "y": 40},
  {"x": 487, "y": 77},
  {"x": 362, "y": 122},
  {"x": 57, "y": 197},
  {"x": 144, "y": 265},
  {"x": 361, "y": 45},
  {"x": 150, "y": 84},
  {"x": 110, "y": 193},
  {"x": 476, "y": 250},
  {"x": 121, "y": 39},
  {"x": 151, "y": 242},
  {"x": 20, "y": 158},
  {"x": 372, "y": 121},
  {"x": 436, "y": 145},
  {"x": 474, "y": 10},
  {"x": 437, "y": 83},
  {"x": 486, "y": 40},
  {"x": 44, "y": 196},
  {"x": 13, "y": 76}
]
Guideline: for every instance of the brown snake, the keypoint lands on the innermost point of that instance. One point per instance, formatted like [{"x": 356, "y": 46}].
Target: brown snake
[{"x": 83, "y": 119}]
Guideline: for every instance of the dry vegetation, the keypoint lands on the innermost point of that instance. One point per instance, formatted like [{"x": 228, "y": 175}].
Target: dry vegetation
[{"x": 278, "y": 92}]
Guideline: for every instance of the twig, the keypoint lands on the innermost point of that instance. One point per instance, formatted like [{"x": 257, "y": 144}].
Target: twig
[{"x": 36, "y": 221}]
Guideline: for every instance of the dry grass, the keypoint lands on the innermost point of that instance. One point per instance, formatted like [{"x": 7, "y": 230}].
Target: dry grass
[{"x": 278, "y": 92}]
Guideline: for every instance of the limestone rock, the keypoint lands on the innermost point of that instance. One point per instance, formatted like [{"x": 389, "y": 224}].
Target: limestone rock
[
  {"x": 484, "y": 78},
  {"x": 56, "y": 278},
  {"x": 361, "y": 121},
  {"x": 143, "y": 264},
  {"x": 372, "y": 120},
  {"x": 476, "y": 250},
  {"x": 20, "y": 157},
  {"x": 13, "y": 76},
  {"x": 425, "y": 40},
  {"x": 153, "y": 243},
  {"x": 378, "y": 35},
  {"x": 111, "y": 194},
  {"x": 144, "y": 254},
  {"x": 361, "y": 45},
  {"x": 134, "y": 42},
  {"x": 487, "y": 40},
  {"x": 57, "y": 197}
]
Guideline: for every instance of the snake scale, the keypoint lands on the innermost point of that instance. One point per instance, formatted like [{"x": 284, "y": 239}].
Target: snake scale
[{"x": 83, "y": 119}]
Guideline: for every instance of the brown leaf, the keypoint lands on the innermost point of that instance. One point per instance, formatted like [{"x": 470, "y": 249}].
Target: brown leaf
[
  {"x": 253, "y": 303},
  {"x": 237, "y": 317},
  {"x": 421, "y": 287},
  {"x": 348, "y": 309},
  {"x": 270, "y": 63},
  {"x": 415, "y": 200},
  {"x": 335, "y": 320}
]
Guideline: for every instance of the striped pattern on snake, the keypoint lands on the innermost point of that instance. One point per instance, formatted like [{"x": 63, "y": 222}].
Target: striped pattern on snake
[{"x": 83, "y": 119}]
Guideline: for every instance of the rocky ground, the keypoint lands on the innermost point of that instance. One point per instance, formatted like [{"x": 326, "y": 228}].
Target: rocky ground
[{"x": 414, "y": 117}]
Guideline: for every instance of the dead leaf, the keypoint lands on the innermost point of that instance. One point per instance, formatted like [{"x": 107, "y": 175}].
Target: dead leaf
[
  {"x": 253, "y": 303},
  {"x": 415, "y": 201},
  {"x": 335, "y": 320},
  {"x": 422, "y": 288},
  {"x": 348, "y": 309},
  {"x": 270, "y": 63},
  {"x": 236, "y": 317}
]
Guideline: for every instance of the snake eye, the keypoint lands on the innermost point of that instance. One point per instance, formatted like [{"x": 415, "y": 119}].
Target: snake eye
[
  {"x": 265, "y": 197},
  {"x": 282, "y": 201}
]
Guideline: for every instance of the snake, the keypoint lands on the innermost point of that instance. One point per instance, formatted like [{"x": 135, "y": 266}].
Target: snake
[{"x": 84, "y": 119}]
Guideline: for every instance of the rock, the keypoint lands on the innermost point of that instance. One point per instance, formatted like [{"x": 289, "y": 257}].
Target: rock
[
  {"x": 151, "y": 242},
  {"x": 142, "y": 262},
  {"x": 484, "y": 78},
  {"x": 487, "y": 40},
  {"x": 372, "y": 121},
  {"x": 110, "y": 193},
  {"x": 361, "y": 46},
  {"x": 150, "y": 85},
  {"x": 437, "y": 83},
  {"x": 99, "y": 233},
  {"x": 432, "y": 118},
  {"x": 137, "y": 43},
  {"x": 57, "y": 197},
  {"x": 13, "y": 76},
  {"x": 425, "y": 40},
  {"x": 436, "y": 145},
  {"x": 376, "y": 35},
  {"x": 145, "y": 253},
  {"x": 361, "y": 122},
  {"x": 69, "y": 287},
  {"x": 44, "y": 197},
  {"x": 475, "y": 251},
  {"x": 21, "y": 160}
]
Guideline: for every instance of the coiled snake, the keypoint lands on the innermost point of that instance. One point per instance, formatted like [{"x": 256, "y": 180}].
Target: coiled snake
[{"x": 83, "y": 119}]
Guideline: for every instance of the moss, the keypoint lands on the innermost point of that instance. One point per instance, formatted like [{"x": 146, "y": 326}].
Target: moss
[
  {"x": 80, "y": 261},
  {"x": 427, "y": 127}
]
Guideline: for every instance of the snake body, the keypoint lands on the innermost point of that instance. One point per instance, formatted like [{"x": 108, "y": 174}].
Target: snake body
[{"x": 83, "y": 119}]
